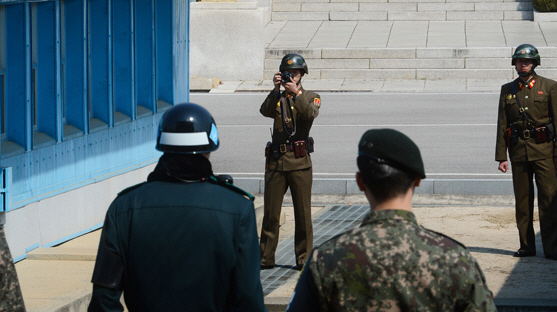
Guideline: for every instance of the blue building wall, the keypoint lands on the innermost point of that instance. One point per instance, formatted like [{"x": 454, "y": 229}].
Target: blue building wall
[{"x": 83, "y": 84}]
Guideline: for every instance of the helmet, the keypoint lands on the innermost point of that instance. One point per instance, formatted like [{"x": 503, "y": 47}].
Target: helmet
[
  {"x": 526, "y": 51},
  {"x": 187, "y": 129},
  {"x": 293, "y": 61}
]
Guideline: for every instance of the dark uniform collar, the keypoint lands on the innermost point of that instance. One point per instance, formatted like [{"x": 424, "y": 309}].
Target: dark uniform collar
[
  {"x": 530, "y": 83},
  {"x": 181, "y": 168}
]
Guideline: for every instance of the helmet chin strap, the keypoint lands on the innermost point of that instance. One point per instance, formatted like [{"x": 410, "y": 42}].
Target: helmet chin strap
[{"x": 523, "y": 74}]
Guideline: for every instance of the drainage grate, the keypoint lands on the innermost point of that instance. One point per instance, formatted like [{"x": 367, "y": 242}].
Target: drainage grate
[{"x": 336, "y": 220}]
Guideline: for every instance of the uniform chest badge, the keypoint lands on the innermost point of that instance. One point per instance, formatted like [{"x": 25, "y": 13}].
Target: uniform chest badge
[
  {"x": 540, "y": 92},
  {"x": 317, "y": 102},
  {"x": 509, "y": 96}
]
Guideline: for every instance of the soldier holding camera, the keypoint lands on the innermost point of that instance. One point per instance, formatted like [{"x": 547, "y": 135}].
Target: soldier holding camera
[
  {"x": 288, "y": 163},
  {"x": 526, "y": 129}
]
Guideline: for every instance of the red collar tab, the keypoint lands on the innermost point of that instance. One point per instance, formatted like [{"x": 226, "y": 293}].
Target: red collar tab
[{"x": 529, "y": 84}]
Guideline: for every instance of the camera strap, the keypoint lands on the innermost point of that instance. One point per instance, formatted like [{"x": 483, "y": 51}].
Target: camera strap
[{"x": 288, "y": 122}]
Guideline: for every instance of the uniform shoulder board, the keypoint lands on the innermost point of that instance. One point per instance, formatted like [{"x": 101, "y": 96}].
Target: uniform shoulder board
[
  {"x": 450, "y": 238},
  {"x": 226, "y": 181},
  {"x": 131, "y": 188}
]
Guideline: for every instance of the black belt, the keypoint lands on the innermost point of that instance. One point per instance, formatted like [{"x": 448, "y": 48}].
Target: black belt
[
  {"x": 286, "y": 148},
  {"x": 526, "y": 134}
]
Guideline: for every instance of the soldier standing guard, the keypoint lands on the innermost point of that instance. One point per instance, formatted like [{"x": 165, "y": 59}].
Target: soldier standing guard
[
  {"x": 526, "y": 129},
  {"x": 389, "y": 262},
  {"x": 288, "y": 163},
  {"x": 185, "y": 240}
]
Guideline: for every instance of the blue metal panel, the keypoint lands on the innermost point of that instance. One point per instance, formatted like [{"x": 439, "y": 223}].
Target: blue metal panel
[
  {"x": 165, "y": 64},
  {"x": 76, "y": 64},
  {"x": 5, "y": 181},
  {"x": 88, "y": 159},
  {"x": 18, "y": 75},
  {"x": 145, "y": 53},
  {"x": 181, "y": 50},
  {"x": 123, "y": 82},
  {"x": 47, "y": 64},
  {"x": 100, "y": 14}
]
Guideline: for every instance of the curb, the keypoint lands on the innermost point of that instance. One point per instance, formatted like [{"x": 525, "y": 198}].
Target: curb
[{"x": 427, "y": 186}]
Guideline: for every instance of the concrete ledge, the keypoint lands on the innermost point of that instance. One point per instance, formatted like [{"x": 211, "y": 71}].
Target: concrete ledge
[
  {"x": 464, "y": 73},
  {"x": 358, "y": 16},
  {"x": 427, "y": 186},
  {"x": 201, "y": 84},
  {"x": 544, "y": 16},
  {"x": 525, "y": 304},
  {"x": 60, "y": 253}
]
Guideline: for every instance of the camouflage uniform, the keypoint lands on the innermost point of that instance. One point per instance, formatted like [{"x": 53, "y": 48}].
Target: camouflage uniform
[
  {"x": 10, "y": 296},
  {"x": 390, "y": 263}
]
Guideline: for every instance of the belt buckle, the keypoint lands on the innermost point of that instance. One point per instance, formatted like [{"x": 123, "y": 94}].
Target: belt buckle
[
  {"x": 526, "y": 134},
  {"x": 282, "y": 148}
]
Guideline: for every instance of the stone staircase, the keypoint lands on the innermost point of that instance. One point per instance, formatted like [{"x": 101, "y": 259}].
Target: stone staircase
[
  {"x": 407, "y": 39},
  {"x": 401, "y": 10}
]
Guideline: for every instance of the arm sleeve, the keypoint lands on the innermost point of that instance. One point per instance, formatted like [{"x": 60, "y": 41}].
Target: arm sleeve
[
  {"x": 553, "y": 105},
  {"x": 246, "y": 285},
  {"x": 268, "y": 108},
  {"x": 107, "y": 275},
  {"x": 481, "y": 298},
  {"x": 305, "y": 296},
  {"x": 501, "y": 145},
  {"x": 307, "y": 105}
]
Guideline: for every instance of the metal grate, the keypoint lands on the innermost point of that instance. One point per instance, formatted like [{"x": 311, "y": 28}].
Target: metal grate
[{"x": 336, "y": 220}]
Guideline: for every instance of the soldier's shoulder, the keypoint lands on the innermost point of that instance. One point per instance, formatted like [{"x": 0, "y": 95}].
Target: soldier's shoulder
[
  {"x": 551, "y": 82},
  {"x": 446, "y": 238},
  {"x": 312, "y": 94},
  {"x": 130, "y": 189},
  {"x": 227, "y": 182}
]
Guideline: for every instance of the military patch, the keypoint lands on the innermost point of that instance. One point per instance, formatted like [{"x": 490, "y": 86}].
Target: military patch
[
  {"x": 509, "y": 96},
  {"x": 317, "y": 102},
  {"x": 540, "y": 92}
]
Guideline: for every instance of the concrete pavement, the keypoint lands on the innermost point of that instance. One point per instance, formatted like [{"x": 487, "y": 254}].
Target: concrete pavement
[{"x": 58, "y": 278}]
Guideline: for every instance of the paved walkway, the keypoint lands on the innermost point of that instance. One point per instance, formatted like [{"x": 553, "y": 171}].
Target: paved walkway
[{"x": 58, "y": 278}]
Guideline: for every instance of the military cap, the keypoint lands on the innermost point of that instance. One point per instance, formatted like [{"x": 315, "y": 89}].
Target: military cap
[{"x": 392, "y": 148}]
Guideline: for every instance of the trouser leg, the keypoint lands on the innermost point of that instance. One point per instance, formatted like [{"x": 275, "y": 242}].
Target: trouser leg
[
  {"x": 523, "y": 186},
  {"x": 545, "y": 181},
  {"x": 275, "y": 187},
  {"x": 300, "y": 182}
]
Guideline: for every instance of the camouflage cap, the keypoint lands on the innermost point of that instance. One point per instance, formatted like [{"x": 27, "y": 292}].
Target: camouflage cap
[{"x": 393, "y": 148}]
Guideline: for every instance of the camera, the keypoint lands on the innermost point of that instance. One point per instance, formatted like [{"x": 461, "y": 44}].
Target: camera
[{"x": 285, "y": 77}]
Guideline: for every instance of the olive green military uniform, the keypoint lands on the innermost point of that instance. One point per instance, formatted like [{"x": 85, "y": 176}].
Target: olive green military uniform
[
  {"x": 528, "y": 158},
  {"x": 289, "y": 171},
  {"x": 390, "y": 263}
]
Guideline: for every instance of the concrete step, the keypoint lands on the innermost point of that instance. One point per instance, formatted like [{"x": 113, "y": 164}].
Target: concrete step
[
  {"x": 410, "y": 63},
  {"x": 410, "y": 10}
]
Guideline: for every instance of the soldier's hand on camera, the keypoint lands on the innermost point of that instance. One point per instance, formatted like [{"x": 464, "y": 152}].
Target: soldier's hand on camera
[
  {"x": 277, "y": 80},
  {"x": 503, "y": 166},
  {"x": 291, "y": 87}
]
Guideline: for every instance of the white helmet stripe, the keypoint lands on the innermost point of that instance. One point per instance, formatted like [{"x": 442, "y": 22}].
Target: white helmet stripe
[{"x": 184, "y": 139}]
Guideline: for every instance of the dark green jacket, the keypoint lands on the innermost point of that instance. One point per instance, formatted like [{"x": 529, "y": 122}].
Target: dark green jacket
[
  {"x": 305, "y": 109},
  {"x": 183, "y": 247},
  {"x": 540, "y": 104}
]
